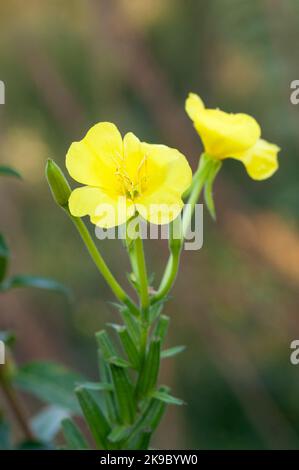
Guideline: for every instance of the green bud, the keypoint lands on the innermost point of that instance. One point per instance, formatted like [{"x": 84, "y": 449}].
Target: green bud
[{"x": 58, "y": 184}]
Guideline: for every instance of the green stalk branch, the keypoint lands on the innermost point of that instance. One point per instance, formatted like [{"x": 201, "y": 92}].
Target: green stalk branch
[
  {"x": 142, "y": 274},
  {"x": 169, "y": 276},
  {"x": 175, "y": 245},
  {"x": 97, "y": 258}
]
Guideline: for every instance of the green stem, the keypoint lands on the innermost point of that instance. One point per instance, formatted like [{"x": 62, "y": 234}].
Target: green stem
[
  {"x": 142, "y": 274},
  {"x": 130, "y": 244},
  {"x": 118, "y": 291},
  {"x": 175, "y": 246},
  {"x": 199, "y": 183},
  {"x": 169, "y": 276}
]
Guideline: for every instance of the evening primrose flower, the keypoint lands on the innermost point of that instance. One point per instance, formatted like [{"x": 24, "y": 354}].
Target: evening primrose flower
[
  {"x": 235, "y": 136},
  {"x": 125, "y": 176}
]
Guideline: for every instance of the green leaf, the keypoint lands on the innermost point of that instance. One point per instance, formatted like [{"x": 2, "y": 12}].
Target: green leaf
[
  {"x": 128, "y": 345},
  {"x": 208, "y": 190},
  {"x": 95, "y": 418},
  {"x": 108, "y": 350},
  {"x": 73, "y": 435},
  {"x": 148, "y": 421},
  {"x": 172, "y": 351},
  {"x": 150, "y": 370},
  {"x": 144, "y": 440},
  {"x": 4, "y": 257},
  {"x": 133, "y": 281},
  {"x": 119, "y": 361},
  {"x": 131, "y": 323},
  {"x": 162, "y": 327},
  {"x": 124, "y": 394},
  {"x": 33, "y": 281},
  {"x": 105, "y": 374},
  {"x": 8, "y": 171},
  {"x": 166, "y": 398},
  {"x": 97, "y": 386},
  {"x": 47, "y": 423},
  {"x": 156, "y": 309},
  {"x": 119, "y": 433},
  {"x": 50, "y": 383}
]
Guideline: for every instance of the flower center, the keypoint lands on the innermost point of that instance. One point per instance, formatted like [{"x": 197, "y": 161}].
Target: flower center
[{"x": 132, "y": 183}]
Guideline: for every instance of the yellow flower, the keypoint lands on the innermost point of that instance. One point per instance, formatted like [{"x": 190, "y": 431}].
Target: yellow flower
[
  {"x": 125, "y": 176},
  {"x": 236, "y": 136},
  {"x": 260, "y": 160}
]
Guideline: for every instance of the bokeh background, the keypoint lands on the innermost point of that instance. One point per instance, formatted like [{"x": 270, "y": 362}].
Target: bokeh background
[{"x": 67, "y": 65}]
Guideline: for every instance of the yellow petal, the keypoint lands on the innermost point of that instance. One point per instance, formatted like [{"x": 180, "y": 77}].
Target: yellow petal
[
  {"x": 92, "y": 160},
  {"x": 166, "y": 167},
  {"x": 261, "y": 160},
  {"x": 168, "y": 177},
  {"x": 222, "y": 134},
  {"x": 104, "y": 210},
  {"x": 132, "y": 156},
  {"x": 194, "y": 105},
  {"x": 160, "y": 207}
]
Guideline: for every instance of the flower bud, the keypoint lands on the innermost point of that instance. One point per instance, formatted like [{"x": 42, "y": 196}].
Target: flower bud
[{"x": 58, "y": 184}]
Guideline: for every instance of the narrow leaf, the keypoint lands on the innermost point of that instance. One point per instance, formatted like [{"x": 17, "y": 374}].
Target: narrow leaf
[
  {"x": 73, "y": 435},
  {"x": 50, "y": 383},
  {"x": 9, "y": 171},
  {"x": 148, "y": 421},
  {"x": 94, "y": 416},
  {"x": 109, "y": 401},
  {"x": 166, "y": 398},
  {"x": 98, "y": 386},
  {"x": 37, "y": 282},
  {"x": 128, "y": 345},
  {"x": 156, "y": 309},
  {"x": 149, "y": 373},
  {"x": 172, "y": 351},
  {"x": 123, "y": 394},
  {"x": 119, "y": 433},
  {"x": 108, "y": 350},
  {"x": 132, "y": 324},
  {"x": 162, "y": 327},
  {"x": 144, "y": 440}
]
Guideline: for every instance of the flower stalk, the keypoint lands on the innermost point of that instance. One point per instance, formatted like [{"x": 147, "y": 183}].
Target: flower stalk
[
  {"x": 98, "y": 260},
  {"x": 175, "y": 243},
  {"x": 142, "y": 274}
]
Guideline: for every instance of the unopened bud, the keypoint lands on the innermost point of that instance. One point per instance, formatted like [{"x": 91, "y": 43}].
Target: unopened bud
[{"x": 59, "y": 186}]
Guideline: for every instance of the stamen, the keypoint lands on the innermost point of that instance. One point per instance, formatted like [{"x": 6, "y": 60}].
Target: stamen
[{"x": 129, "y": 187}]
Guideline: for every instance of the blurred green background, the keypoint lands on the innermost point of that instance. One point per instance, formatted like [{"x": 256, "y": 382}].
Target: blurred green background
[{"x": 67, "y": 65}]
